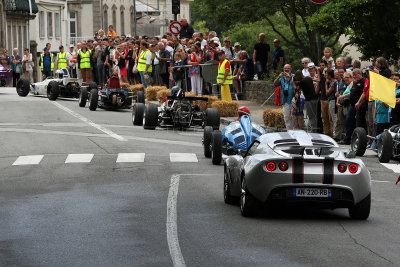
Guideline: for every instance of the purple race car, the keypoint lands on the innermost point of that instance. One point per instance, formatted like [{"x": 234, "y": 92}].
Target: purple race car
[{"x": 5, "y": 76}]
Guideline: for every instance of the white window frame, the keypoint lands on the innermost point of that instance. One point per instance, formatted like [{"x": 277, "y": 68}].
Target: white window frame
[
  {"x": 42, "y": 24},
  {"x": 50, "y": 32},
  {"x": 57, "y": 20}
]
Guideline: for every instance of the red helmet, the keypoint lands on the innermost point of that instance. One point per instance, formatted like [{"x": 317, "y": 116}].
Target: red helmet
[{"x": 243, "y": 110}]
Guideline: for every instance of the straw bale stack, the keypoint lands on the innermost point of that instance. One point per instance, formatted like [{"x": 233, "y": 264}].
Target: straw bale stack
[
  {"x": 151, "y": 92},
  {"x": 226, "y": 108},
  {"x": 273, "y": 118},
  {"x": 136, "y": 88},
  {"x": 163, "y": 93},
  {"x": 125, "y": 85},
  {"x": 203, "y": 104}
]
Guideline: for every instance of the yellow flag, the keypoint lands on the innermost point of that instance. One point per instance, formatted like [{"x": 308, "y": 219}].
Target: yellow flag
[{"x": 382, "y": 88}]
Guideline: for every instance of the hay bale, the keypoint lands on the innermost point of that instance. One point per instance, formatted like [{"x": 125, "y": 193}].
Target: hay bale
[
  {"x": 125, "y": 85},
  {"x": 273, "y": 118},
  {"x": 151, "y": 92},
  {"x": 226, "y": 108},
  {"x": 136, "y": 88},
  {"x": 163, "y": 93},
  {"x": 203, "y": 104},
  {"x": 190, "y": 94}
]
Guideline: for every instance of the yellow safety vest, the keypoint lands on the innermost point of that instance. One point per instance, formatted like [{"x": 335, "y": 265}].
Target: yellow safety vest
[
  {"x": 62, "y": 60},
  {"x": 221, "y": 73},
  {"x": 85, "y": 59},
  {"x": 51, "y": 59},
  {"x": 142, "y": 61}
]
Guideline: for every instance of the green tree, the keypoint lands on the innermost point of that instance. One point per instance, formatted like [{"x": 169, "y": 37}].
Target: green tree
[
  {"x": 371, "y": 25},
  {"x": 293, "y": 12}
]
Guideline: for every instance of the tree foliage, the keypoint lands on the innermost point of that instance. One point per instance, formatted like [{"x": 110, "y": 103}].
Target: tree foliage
[{"x": 371, "y": 25}]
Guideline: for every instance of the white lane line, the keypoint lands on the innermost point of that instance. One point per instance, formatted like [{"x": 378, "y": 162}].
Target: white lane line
[
  {"x": 394, "y": 167},
  {"x": 183, "y": 157},
  {"x": 86, "y": 120},
  {"x": 172, "y": 227},
  {"x": 377, "y": 181},
  {"x": 130, "y": 157},
  {"x": 28, "y": 160},
  {"x": 79, "y": 158}
]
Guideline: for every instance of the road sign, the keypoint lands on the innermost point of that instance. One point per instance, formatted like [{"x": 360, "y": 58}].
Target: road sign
[
  {"x": 319, "y": 2},
  {"x": 175, "y": 27}
]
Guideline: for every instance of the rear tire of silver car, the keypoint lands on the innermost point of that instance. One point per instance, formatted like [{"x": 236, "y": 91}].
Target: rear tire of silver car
[
  {"x": 361, "y": 210},
  {"x": 151, "y": 117},
  {"x": 140, "y": 97},
  {"x": 359, "y": 141},
  {"x": 216, "y": 151},
  {"x": 53, "y": 90},
  {"x": 385, "y": 147},
  {"x": 207, "y": 136},
  {"x": 247, "y": 202},
  {"x": 83, "y": 96},
  {"x": 213, "y": 118},
  {"x": 23, "y": 87},
  {"x": 228, "y": 198},
  {"x": 138, "y": 114},
  {"x": 93, "y": 99}
]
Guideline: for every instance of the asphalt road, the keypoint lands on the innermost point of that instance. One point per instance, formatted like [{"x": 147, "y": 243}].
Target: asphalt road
[{"x": 67, "y": 198}]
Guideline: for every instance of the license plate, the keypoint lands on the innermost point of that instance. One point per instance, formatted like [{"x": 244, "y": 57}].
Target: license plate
[{"x": 311, "y": 192}]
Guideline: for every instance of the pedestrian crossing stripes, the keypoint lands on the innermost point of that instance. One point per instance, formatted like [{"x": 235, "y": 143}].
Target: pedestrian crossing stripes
[
  {"x": 121, "y": 158},
  {"x": 394, "y": 167}
]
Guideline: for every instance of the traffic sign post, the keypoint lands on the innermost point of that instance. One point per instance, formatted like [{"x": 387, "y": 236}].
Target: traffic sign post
[{"x": 175, "y": 27}]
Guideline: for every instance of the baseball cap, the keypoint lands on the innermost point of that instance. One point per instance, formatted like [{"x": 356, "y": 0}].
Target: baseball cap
[
  {"x": 237, "y": 44},
  {"x": 221, "y": 52},
  {"x": 60, "y": 47},
  {"x": 44, "y": 49},
  {"x": 311, "y": 65},
  {"x": 71, "y": 46}
]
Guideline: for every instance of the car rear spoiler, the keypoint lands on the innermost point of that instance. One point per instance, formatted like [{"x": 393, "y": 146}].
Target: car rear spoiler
[{"x": 321, "y": 149}]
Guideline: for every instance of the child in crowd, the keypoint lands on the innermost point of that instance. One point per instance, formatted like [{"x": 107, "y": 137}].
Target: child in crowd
[
  {"x": 328, "y": 58},
  {"x": 382, "y": 116},
  {"x": 297, "y": 114},
  {"x": 178, "y": 71}
]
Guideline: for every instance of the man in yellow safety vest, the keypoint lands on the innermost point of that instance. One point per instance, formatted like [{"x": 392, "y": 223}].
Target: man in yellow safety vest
[
  {"x": 84, "y": 62},
  {"x": 224, "y": 77},
  {"x": 46, "y": 63},
  {"x": 144, "y": 64},
  {"x": 62, "y": 59}
]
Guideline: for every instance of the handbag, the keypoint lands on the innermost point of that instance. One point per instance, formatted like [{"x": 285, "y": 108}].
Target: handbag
[{"x": 135, "y": 69}]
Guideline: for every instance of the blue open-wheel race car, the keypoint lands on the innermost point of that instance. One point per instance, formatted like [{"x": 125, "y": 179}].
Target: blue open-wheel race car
[
  {"x": 112, "y": 96},
  {"x": 234, "y": 139}
]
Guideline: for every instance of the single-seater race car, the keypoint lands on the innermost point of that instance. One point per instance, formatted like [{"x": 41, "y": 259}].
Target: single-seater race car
[
  {"x": 296, "y": 167},
  {"x": 52, "y": 87},
  {"x": 386, "y": 144},
  {"x": 112, "y": 96},
  {"x": 234, "y": 139},
  {"x": 178, "y": 111},
  {"x": 5, "y": 76}
]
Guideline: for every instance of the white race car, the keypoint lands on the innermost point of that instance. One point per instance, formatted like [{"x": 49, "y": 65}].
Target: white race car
[{"x": 52, "y": 87}]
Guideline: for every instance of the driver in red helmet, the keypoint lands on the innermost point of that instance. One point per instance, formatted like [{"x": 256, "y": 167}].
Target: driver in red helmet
[{"x": 243, "y": 110}]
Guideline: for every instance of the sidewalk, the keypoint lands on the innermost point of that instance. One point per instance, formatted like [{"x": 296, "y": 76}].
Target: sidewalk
[{"x": 255, "y": 109}]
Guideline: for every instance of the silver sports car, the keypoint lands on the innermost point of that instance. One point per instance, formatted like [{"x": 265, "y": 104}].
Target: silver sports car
[{"x": 297, "y": 167}]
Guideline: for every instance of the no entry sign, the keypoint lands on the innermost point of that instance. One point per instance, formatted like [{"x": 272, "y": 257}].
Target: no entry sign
[
  {"x": 319, "y": 2},
  {"x": 175, "y": 27}
]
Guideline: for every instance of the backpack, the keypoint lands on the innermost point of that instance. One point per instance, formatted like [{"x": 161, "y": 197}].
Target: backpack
[{"x": 113, "y": 82}]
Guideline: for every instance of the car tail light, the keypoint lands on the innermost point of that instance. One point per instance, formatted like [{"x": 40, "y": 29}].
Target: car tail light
[
  {"x": 271, "y": 166},
  {"x": 353, "y": 168},
  {"x": 342, "y": 167},
  {"x": 283, "y": 166}
]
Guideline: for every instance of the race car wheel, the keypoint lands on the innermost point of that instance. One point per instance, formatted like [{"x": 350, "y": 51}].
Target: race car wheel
[
  {"x": 213, "y": 118},
  {"x": 228, "y": 198},
  {"x": 138, "y": 113},
  {"x": 361, "y": 210},
  {"x": 93, "y": 99},
  {"x": 207, "y": 136},
  {"x": 53, "y": 90},
  {"x": 140, "y": 97},
  {"x": 22, "y": 87},
  {"x": 216, "y": 150},
  {"x": 359, "y": 141},
  {"x": 247, "y": 202},
  {"x": 385, "y": 147},
  {"x": 83, "y": 96},
  {"x": 151, "y": 117},
  {"x": 92, "y": 85}
]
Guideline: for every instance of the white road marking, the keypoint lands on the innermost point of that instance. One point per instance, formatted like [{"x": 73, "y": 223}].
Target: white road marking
[
  {"x": 377, "y": 181},
  {"x": 28, "y": 160},
  {"x": 183, "y": 157},
  {"x": 86, "y": 120},
  {"x": 79, "y": 158},
  {"x": 130, "y": 157},
  {"x": 394, "y": 167}
]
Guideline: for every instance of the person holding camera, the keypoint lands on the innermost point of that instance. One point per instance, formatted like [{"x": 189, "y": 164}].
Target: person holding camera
[{"x": 286, "y": 83}]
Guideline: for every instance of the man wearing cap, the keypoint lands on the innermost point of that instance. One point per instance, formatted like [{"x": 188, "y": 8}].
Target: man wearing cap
[
  {"x": 84, "y": 62},
  {"x": 224, "y": 77},
  {"x": 46, "y": 63},
  {"x": 71, "y": 63},
  {"x": 62, "y": 58}
]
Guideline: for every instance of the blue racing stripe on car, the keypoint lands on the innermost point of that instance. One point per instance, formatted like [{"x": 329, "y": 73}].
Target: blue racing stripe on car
[{"x": 298, "y": 170}]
